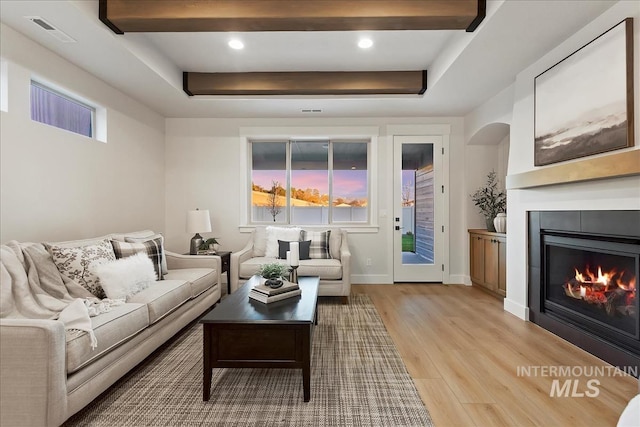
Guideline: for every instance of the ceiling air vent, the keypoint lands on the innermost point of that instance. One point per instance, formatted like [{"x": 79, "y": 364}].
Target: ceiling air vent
[
  {"x": 309, "y": 110},
  {"x": 50, "y": 29}
]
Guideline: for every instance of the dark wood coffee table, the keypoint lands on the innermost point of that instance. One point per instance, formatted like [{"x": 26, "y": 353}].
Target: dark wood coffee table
[{"x": 243, "y": 333}]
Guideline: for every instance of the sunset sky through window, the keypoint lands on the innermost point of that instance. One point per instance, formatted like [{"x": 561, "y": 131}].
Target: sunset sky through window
[{"x": 350, "y": 184}]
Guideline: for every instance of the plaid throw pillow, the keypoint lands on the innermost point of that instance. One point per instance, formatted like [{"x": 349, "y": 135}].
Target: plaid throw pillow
[
  {"x": 151, "y": 248},
  {"x": 165, "y": 269},
  {"x": 319, "y": 248}
]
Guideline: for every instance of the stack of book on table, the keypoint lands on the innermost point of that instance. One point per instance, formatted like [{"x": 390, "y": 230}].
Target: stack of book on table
[{"x": 266, "y": 294}]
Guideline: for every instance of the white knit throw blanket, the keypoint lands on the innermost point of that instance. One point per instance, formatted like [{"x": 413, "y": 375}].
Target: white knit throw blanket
[{"x": 32, "y": 288}]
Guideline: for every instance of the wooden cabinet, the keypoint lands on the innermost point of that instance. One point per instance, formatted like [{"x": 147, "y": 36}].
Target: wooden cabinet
[{"x": 488, "y": 257}]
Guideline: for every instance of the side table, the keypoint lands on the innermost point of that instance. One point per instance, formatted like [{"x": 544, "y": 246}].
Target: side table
[{"x": 225, "y": 258}]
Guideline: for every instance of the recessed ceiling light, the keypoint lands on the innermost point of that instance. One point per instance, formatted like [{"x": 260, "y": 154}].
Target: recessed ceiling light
[
  {"x": 365, "y": 43},
  {"x": 236, "y": 44}
]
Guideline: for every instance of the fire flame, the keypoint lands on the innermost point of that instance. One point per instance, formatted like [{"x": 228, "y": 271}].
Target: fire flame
[
  {"x": 603, "y": 288},
  {"x": 603, "y": 279}
]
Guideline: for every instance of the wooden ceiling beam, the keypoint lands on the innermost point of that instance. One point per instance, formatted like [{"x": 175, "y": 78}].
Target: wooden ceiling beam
[
  {"x": 289, "y": 15},
  {"x": 306, "y": 83}
]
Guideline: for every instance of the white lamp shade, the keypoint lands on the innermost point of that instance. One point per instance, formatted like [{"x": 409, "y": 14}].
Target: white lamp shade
[{"x": 198, "y": 221}]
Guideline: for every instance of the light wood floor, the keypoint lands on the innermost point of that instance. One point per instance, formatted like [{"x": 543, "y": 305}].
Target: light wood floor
[{"x": 463, "y": 352}]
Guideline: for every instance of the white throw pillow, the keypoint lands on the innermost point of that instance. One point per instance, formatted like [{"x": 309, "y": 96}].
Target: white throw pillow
[
  {"x": 288, "y": 234},
  {"x": 631, "y": 415},
  {"x": 259, "y": 241},
  {"x": 126, "y": 277},
  {"x": 127, "y": 239}
]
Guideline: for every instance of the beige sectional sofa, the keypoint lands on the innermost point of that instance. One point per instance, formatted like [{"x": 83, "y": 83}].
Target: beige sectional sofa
[
  {"x": 334, "y": 273},
  {"x": 47, "y": 377}
]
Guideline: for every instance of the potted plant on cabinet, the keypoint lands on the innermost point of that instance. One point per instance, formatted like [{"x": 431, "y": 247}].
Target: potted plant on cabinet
[{"x": 490, "y": 200}]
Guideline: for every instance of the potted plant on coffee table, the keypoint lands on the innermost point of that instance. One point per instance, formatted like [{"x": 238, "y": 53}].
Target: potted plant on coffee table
[{"x": 274, "y": 273}]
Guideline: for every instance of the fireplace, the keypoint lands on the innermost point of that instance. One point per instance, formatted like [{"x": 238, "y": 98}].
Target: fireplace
[{"x": 584, "y": 268}]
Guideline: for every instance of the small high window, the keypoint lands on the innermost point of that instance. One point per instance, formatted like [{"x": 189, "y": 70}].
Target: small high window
[{"x": 55, "y": 109}]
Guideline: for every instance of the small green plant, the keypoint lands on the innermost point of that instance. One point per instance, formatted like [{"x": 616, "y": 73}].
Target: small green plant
[
  {"x": 408, "y": 243},
  {"x": 273, "y": 270},
  {"x": 205, "y": 243},
  {"x": 490, "y": 199}
]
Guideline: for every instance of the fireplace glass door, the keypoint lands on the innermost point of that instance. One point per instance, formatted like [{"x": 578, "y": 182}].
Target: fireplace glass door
[
  {"x": 583, "y": 272},
  {"x": 593, "y": 282}
]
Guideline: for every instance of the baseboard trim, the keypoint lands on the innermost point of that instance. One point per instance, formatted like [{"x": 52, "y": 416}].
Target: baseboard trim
[
  {"x": 516, "y": 309},
  {"x": 371, "y": 279},
  {"x": 386, "y": 279},
  {"x": 459, "y": 279}
]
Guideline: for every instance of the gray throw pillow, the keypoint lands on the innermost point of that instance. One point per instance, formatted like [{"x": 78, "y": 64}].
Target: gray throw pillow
[{"x": 283, "y": 247}]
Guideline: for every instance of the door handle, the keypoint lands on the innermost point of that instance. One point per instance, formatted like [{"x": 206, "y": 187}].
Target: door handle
[{"x": 398, "y": 227}]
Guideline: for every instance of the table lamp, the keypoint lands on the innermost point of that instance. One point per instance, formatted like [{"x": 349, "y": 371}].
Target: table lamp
[{"x": 197, "y": 222}]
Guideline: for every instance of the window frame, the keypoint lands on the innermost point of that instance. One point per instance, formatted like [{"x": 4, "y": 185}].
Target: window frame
[
  {"x": 4, "y": 85},
  {"x": 71, "y": 98},
  {"x": 337, "y": 135}
]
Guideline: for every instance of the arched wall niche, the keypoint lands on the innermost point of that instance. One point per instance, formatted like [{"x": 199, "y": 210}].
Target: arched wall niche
[
  {"x": 490, "y": 134},
  {"x": 497, "y": 135},
  {"x": 487, "y": 149}
]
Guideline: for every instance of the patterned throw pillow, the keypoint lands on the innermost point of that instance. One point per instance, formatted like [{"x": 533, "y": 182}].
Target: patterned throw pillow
[
  {"x": 152, "y": 248},
  {"x": 76, "y": 263},
  {"x": 319, "y": 248},
  {"x": 165, "y": 269}
]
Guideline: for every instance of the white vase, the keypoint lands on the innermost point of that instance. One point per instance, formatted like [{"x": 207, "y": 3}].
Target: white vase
[{"x": 500, "y": 222}]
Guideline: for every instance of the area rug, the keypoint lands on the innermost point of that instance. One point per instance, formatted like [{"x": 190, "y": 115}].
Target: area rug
[{"x": 357, "y": 379}]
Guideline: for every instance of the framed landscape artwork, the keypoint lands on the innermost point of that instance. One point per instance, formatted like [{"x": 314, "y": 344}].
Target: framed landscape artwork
[{"x": 584, "y": 103}]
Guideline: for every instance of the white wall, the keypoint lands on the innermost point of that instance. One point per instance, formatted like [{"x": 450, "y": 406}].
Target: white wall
[
  {"x": 488, "y": 143},
  {"x": 503, "y": 158},
  {"x": 487, "y": 139},
  {"x": 482, "y": 159},
  {"x": 203, "y": 170},
  {"x": 498, "y": 109},
  {"x": 56, "y": 185},
  {"x": 617, "y": 193}
]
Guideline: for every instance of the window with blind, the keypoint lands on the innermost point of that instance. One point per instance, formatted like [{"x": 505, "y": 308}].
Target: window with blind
[{"x": 55, "y": 109}]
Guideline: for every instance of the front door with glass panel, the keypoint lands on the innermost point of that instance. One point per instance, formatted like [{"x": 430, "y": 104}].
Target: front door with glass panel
[{"x": 418, "y": 209}]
